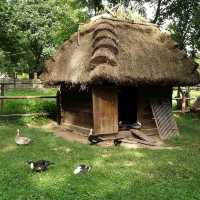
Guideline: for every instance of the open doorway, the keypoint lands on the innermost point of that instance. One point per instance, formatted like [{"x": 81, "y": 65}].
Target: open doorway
[{"x": 127, "y": 105}]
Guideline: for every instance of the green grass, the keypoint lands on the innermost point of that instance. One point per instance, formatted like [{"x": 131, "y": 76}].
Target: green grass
[
  {"x": 117, "y": 173},
  {"x": 22, "y": 106}
]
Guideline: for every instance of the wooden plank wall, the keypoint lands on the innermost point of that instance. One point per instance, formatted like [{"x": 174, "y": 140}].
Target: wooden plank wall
[
  {"x": 145, "y": 114},
  {"x": 105, "y": 110},
  {"x": 76, "y": 107}
]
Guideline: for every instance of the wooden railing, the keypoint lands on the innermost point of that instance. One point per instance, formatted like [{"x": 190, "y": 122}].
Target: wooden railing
[{"x": 57, "y": 97}]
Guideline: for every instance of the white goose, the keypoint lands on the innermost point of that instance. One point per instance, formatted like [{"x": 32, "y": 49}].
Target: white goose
[{"x": 20, "y": 140}]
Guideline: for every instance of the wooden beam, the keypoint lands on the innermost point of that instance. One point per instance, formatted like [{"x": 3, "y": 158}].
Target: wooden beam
[
  {"x": 27, "y": 97},
  {"x": 26, "y": 115},
  {"x": 59, "y": 107},
  {"x": 141, "y": 135},
  {"x": 2, "y": 94}
]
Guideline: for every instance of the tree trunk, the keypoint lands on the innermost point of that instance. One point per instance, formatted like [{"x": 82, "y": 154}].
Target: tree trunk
[{"x": 157, "y": 12}]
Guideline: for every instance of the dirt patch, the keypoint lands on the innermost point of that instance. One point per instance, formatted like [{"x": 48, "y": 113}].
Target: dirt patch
[
  {"x": 75, "y": 136},
  {"x": 64, "y": 132}
]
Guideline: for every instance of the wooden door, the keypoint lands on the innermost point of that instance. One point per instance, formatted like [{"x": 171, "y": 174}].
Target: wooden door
[{"x": 105, "y": 110}]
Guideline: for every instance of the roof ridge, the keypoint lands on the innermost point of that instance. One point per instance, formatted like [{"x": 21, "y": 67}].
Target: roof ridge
[{"x": 126, "y": 21}]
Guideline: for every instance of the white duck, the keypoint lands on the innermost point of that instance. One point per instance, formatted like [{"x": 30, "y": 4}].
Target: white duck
[
  {"x": 82, "y": 169},
  {"x": 20, "y": 140}
]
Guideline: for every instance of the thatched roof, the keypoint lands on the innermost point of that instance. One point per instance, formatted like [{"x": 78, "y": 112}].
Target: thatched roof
[{"x": 120, "y": 52}]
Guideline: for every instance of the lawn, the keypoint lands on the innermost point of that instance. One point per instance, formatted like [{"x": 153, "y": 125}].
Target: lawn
[{"x": 117, "y": 173}]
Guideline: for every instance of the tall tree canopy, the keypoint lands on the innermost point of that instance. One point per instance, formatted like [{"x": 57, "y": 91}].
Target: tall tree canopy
[{"x": 32, "y": 29}]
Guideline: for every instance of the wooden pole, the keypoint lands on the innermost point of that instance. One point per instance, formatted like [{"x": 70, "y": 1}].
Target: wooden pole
[
  {"x": 178, "y": 100},
  {"x": 2, "y": 94},
  {"x": 188, "y": 96},
  {"x": 78, "y": 36},
  {"x": 58, "y": 103},
  {"x": 184, "y": 104},
  {"x": 15, "y": 75}
]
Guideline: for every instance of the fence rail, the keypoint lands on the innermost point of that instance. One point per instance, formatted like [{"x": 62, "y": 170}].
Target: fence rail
[
  {"x": 25, "y": 84},
  {"x": 26, "y": 114},
  {"x": 27, "y": 97},
  {"x": 3, "y": 97}
]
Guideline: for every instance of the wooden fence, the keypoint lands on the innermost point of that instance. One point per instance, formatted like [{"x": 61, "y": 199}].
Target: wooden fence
[
  {"x": 183, "y": 97},
  {"x": 3, "y": 97}
]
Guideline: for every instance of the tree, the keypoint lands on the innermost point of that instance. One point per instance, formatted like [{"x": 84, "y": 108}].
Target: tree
[
  {"x": 34, "y": 21},
  {"x": 30, "y": 31},
  {"x": 183, "y": 17},
  {"x": 184, "y": 24},
  {"x": 69, "y": 15},
  {"x": 8, "y": 38}
]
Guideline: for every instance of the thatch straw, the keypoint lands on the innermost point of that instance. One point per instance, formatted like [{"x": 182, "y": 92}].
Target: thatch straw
[
  {"x": 121, "y": 52},
  {"x": 106, "y": 43},
  {"x": 103, "y": 55}
]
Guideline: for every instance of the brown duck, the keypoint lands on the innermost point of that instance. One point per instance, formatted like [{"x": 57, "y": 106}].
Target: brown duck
[{"x": 21, "y": 140}]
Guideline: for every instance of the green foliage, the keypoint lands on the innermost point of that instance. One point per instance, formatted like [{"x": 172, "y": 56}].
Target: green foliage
[
  {"x": 185, "y": 24},
  {"x": 32, "y": 29},
  {"x": 35, "y": 21},
  {"x": 116, "y": 173},
  {"x": 7, "y": 37},
  {"x": 69, "y": 15}
]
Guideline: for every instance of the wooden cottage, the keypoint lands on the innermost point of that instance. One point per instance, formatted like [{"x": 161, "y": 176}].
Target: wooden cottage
[{"x": 113, "y": 72}]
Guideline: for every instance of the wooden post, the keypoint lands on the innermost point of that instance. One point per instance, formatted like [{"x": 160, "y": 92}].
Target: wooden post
[
  {"x": 2, "y": 94},
  {"x": 178, "y": 101},
  {"x": 105, "y": 110},
  {"x": 188, "y": 96},
  {"x": 15, "y": 76},
  {"x": 35, "y": 76},
  {"x": 58, "y": 103},
  {"x": 184, "y": 104},
  {"x": 140, "y": 106}
]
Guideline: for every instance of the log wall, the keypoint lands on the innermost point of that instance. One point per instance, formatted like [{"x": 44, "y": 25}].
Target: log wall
[{"x": 76, "y": 107}]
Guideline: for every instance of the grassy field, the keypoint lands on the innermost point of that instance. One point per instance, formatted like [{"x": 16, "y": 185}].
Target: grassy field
[{"x": 117, "y": 173}]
